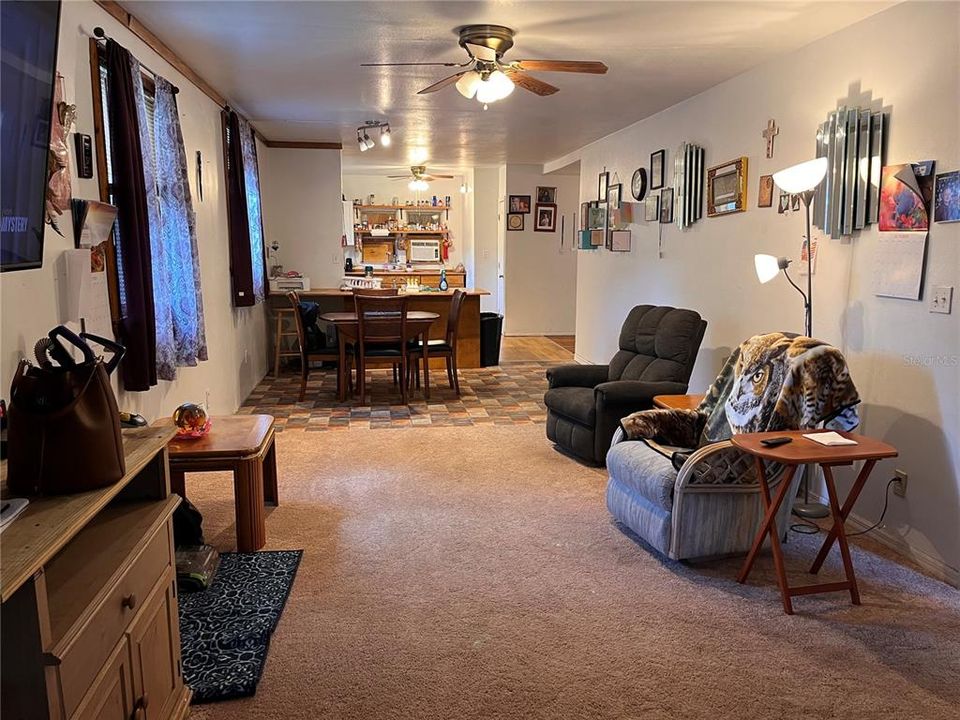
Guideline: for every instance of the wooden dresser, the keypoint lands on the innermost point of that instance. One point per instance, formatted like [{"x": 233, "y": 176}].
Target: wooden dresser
[{"x": 89, "y": 616}]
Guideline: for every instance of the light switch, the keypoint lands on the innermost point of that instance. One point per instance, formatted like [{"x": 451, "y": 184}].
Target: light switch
[{"x": 941, "y": 299}]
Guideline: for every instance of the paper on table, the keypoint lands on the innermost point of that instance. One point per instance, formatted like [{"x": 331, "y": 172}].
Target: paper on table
[{"x": 829, "y": 438}]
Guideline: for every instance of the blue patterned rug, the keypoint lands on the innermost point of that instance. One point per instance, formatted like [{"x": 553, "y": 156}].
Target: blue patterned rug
[{"x": 225, "y": 630}]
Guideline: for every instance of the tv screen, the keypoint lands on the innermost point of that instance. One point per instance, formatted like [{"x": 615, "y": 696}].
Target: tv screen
[{"x": 29, "y": 33}]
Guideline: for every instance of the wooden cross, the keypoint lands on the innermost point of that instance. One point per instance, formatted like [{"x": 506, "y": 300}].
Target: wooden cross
[{"x": 769, "y": 134}]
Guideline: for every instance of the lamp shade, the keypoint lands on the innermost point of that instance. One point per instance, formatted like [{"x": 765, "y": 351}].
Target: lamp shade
[
  {"x": 496, "y": 87},
  {"x": 769, "y": 266},
  {"x": 468, "y": 84},
  {"x": 802, "y": 177}
]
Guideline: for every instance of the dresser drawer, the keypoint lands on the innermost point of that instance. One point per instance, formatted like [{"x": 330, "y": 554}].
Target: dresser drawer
[{"x": 92, "y": 645}]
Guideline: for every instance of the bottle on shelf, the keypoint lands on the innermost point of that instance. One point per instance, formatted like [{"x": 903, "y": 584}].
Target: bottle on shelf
[{"x": 443, "y": 280}]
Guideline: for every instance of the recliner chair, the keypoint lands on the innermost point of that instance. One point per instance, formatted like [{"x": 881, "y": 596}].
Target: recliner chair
[{"x": 658, "y": 348}]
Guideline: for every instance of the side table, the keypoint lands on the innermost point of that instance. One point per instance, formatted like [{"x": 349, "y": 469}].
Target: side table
[
  {"x": 243, "y": 445},
  {"x": 677, "y": 402},
  {"x": 802, "y": 451}
]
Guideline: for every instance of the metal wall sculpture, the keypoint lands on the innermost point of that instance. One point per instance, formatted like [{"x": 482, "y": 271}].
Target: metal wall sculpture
[
  {"x": 852, "y": 141},
  {"x": 688, "y": 184}
]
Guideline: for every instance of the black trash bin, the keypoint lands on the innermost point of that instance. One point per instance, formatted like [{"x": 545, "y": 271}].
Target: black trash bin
[{"x": 491, "y": 329}]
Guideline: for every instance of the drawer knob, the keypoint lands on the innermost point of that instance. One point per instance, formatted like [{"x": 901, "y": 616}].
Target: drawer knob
[{"x": 129, "y": 601}]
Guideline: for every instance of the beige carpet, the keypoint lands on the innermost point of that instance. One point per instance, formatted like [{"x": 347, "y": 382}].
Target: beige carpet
[{"x": 474, "y": 573}]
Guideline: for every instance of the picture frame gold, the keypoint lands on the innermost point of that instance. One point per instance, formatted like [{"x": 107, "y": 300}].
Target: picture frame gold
[{"x": 727, "y": 188}]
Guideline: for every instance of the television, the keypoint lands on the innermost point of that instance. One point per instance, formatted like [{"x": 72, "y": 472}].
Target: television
[{"x": 29, "y": 30}]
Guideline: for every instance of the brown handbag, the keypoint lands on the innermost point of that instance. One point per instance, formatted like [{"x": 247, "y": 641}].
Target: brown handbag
[{"x": 63, "y": 432}]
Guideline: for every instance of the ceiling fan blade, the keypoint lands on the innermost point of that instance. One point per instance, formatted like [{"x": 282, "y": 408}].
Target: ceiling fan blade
[
  {"x": 442, "y": 84},
  {"x": 442, "y": 64},
  {"x": 574, "y": 66},
  {"x": 482, "y": 52},
  {"x": 528, "y": 82},
  {"x": 430, "y": 177},
  {"x": 397, "y": 177}
]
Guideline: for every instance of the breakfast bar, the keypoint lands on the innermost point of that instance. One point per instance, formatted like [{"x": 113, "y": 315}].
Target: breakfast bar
[{"x": 435, "y": 301}]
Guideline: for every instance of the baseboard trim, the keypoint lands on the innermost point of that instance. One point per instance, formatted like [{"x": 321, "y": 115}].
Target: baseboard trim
[
  {"x": 931, "y": 564},
  {"x": 581, "y": 360}
]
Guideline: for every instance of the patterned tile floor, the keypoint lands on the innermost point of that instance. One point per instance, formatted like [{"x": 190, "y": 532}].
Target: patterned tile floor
[{"x": 511, "y": 394}]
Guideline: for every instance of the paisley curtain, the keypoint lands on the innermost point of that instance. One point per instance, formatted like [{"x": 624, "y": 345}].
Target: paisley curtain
[{"x": 177, "y": 300}]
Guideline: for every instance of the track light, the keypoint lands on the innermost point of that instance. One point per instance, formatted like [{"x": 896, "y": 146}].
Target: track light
[
  {"x": 361, "y": 143},
  {"x": 365, "y": 142},
  {"x": 385, "y": 136}
]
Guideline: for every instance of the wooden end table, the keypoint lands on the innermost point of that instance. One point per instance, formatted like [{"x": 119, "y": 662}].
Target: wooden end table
[
  {"x": 677, "y": 402},
  {"x": 243, "y": 445},
  {"x": 802, "y": 451}
]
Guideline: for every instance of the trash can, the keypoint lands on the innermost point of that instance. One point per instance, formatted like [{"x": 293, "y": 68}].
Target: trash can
[{"x": 491, "y": 329}]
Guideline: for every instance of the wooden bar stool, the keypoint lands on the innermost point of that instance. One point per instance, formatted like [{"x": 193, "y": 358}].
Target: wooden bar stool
[{"x": 285, "y": 328}]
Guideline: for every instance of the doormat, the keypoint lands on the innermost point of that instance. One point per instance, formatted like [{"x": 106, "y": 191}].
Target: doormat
[{"x": 225, "y": 630}]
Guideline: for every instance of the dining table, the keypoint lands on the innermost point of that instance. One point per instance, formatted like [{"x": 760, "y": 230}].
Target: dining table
[{"x": 348, "y": 328}]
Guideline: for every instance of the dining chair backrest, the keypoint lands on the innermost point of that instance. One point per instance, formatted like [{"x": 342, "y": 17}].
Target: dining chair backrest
[
  {"x": 377, "y": 292},
  {"x": 381, "y": 319},
  {"x": 453, "y": 319},
  {"x": 294, "y": 299}
]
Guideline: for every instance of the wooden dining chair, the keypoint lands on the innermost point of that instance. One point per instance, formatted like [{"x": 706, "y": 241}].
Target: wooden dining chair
[
  {"x": 382, "y": 336},
  {"x": 382, "y": 292},
  {"x": 446, "y": 348},
  {"x": 307, "y": 353}
]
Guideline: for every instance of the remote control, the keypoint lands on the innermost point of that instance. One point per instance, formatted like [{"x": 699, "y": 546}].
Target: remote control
[{"x": 774, "y": 442}]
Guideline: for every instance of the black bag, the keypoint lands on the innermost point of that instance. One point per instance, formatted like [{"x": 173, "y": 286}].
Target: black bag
[{"x": 187, "y": 525}]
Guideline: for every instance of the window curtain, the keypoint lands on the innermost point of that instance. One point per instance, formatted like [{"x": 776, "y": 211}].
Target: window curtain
[
  {"x": 137, "y": 327},
  {"x": 181, "y": 337},
  {"x": 247, "y": 261}
]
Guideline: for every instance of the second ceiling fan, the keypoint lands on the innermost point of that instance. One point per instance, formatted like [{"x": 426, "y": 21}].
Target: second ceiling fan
[
  {"x": 489, "y": 77},
  {"x": 419, "y": 177}
]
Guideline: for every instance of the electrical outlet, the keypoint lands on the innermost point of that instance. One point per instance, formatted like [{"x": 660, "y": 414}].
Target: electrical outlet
[
  {"x": 900, "y": 483},
  {"x": 941, "y": 299}
]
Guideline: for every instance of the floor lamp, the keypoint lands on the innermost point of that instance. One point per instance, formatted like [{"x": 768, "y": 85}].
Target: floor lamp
[{"x": 801, "y": 180}]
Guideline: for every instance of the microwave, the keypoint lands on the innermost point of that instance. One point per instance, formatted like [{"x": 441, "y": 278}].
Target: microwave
[{"x": 424, "y": 251}]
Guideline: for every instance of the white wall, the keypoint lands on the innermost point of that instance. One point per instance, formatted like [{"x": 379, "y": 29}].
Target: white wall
[
  {"x": 486, "y": 193},
  {"x": 30, "y": 299},
  {"x": 302, "y": 210},
  {"x": 359, "y": 186},
  {"x": 540, "y": 270},
  {"x": 905, "y": 361}
]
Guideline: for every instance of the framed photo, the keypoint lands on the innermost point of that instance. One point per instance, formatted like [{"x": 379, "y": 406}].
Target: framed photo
[
  {"x": 545, "y": 218},
  {"x": 596, "y": 238},
  {"x": 784, "y": 204},
  {"x": 584, "y": 215},
  {"x": 794, "y": 202},
  {"x": 547, "y": 195},
  {"x": 638, "y": 184},
  {"x": 651, "y": 208},
  {"x": 514, "y": 221},
  {"x": 597, "y": 216},
  {"x": 727, "y": 188},
  {"x": 765, "y": 196},
  {"x": 603, "y": 181},
  {"x": 666, "y": 206},
  {"x": 946, "y": 207},
  {"x": 519, "y": 204},
  {"x": 620, "y": 241},
  {"x": 613, "y": 196},
  {"x": 658, "y": 161}
]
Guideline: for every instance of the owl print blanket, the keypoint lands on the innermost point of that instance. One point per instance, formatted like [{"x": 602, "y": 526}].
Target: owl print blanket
[{"x": 771, "y": 382}]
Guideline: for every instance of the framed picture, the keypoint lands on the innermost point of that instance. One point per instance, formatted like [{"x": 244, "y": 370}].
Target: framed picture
[
  {"x": 666, "y": 206},
  {"x": 651, "y": 208},
  {"x": 545, "y": 218},
  {"x": 946, "y": 207},
  {"x": 658, "y": 160},
  {"x": 514, "y": 221},
  {"x": 596, "y": 238},
  {"x": 638, "y": 184},
  {"x": 620, "y": 241},
  {"x": 584, "y": 215},
  {"x": 547, "y": 195},
  {"x": 727, "y": 188},
  {"x": 765, "y": 197},
  {"x": 519, "y": 204},
  {"x": 603, "y": 181},
  {"x": 784, "y": 203},
  {"x": 794, "y": 202},
  {"x": 597, "y": 216},
  {"x": 613, "y": 196}
]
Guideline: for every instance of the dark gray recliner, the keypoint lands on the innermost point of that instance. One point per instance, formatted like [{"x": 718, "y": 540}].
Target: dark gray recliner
[{"x": 585, "y": 403}]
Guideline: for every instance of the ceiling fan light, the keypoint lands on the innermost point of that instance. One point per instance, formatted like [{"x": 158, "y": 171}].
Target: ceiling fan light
[
  {"x": 467, "y": 85},
  {"x": 496, "y": 87}
]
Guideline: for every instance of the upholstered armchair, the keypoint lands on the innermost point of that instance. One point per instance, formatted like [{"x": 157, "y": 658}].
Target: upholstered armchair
[
  {"x": 682, "y": 486},
  {"x": 657, "y": 349}
]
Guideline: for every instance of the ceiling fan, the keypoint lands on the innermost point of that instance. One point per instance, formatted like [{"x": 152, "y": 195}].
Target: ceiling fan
[
  {"x": 489, "y": 77},
  {"x": 419, "y": 177}
]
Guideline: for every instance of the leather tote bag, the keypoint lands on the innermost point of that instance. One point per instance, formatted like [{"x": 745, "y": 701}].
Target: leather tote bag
[{"x": 64, "y": 425}]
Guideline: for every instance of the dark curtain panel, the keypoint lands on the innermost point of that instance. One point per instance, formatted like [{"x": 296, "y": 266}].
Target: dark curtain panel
[
  {"x": 138, "y": 329},
  {"x": 241, "y": 267}
]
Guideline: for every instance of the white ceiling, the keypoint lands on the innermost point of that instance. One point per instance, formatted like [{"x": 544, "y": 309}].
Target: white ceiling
[{"x": 294, "y": 67}]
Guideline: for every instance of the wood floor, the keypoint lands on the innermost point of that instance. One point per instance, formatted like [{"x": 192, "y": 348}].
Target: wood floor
[{"x": 556, "y": 348}]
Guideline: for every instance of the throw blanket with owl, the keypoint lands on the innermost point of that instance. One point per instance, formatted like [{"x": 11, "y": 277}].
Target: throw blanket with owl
[{"x": 771, "y": 382}]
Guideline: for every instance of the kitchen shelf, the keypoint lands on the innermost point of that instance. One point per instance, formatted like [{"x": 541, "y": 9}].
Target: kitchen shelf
[
  {"x": 367, "y": 233},
  {"x": 376, "y": 208}
]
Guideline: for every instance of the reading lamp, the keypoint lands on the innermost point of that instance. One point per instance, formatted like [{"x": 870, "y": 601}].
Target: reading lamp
[{"x": 801, "y": 180}]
